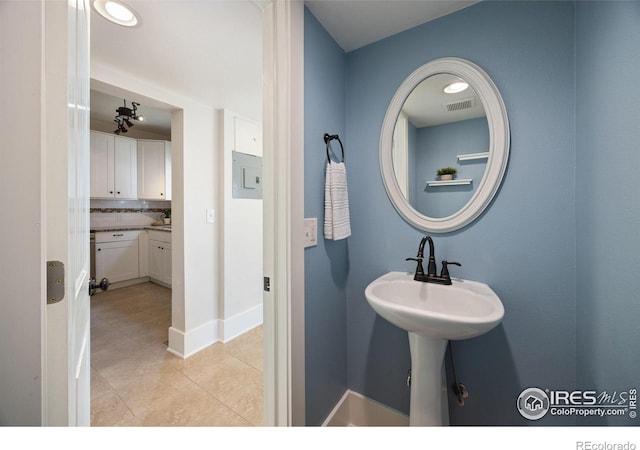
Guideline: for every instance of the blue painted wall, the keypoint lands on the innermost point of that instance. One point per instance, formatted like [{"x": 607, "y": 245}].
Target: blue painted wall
[
  {"x": 558, "y": 243},
  {"x": 608, "y": 209},
  {"x": 438, "y": 146},
  {"x": 523, "y": 246},
  {"x": 327, "y": 264}
]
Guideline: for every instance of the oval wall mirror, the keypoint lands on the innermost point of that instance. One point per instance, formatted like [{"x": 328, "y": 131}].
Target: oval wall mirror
[{"x": 448, "y": 114}]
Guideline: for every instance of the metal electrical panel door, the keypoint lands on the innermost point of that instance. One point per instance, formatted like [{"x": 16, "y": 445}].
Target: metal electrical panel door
[{"x": 247, "y": 176}]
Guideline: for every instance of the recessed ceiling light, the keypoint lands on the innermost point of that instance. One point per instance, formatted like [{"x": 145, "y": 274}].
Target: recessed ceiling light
[
  {"x": 456, "y": 86},
  {"x": 117, "y": 12}
]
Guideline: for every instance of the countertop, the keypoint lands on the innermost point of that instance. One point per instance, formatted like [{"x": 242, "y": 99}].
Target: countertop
[{"x": 131, "y": 227}]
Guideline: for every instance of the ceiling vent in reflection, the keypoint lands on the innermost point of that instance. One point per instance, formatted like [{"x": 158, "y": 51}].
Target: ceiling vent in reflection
[{"x": 460, "y": 104}]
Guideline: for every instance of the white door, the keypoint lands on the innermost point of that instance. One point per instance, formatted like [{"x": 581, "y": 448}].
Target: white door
[{"x": 66, "y": 372}]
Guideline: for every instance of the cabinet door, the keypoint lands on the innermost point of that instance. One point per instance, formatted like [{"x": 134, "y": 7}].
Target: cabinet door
[
  {"x": 166, "y": 264},
  {"x": 102, "y": 165},
  {"x": 167, "y": 170},
  {"x": 156, "y": 259},
  {"x": 160, "y": 261},
  {"x": 151, "y": 170},
  {"x": 117, "y": 261},
  {"x": 126, "y": 168}
]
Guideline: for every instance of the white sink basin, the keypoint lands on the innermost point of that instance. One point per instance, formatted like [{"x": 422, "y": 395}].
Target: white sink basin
[
  {"x": 433, "y": 314},
  {"x": 462, "y": 310}
]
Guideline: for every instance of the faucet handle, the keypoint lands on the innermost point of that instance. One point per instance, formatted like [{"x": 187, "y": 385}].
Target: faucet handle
[
  {"x": 419, "y": 268},
  {"x": 445, "y": 270}
]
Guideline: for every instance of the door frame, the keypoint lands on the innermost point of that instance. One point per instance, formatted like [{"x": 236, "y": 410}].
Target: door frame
[
  {"x": 284, "y": 192},
  {"x": 283, "y": 166}
]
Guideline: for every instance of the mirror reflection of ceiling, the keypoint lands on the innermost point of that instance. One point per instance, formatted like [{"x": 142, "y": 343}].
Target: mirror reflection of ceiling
[{"x": 429, "y": 105}]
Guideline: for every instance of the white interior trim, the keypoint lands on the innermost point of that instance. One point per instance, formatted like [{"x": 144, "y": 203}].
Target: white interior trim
[
  {"x": 283, "y": 169},
  {"x": 355, "y": 409},
  {"x": 240, "y": 323},
  {"x": 186, "y": 344}
]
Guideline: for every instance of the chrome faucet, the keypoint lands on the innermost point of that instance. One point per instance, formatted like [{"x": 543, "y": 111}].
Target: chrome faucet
[{"x": 431, "y": 276}]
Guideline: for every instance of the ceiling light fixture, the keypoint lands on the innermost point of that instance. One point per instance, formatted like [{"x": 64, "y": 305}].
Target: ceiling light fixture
[
  {"x": 125, "y": 114},
  {"x": 456, "y": 86},
  {"x": 117, "y": 12}
]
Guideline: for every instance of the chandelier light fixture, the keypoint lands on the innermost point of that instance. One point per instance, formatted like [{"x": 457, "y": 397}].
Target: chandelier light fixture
[{"x": 125, "y": 115}]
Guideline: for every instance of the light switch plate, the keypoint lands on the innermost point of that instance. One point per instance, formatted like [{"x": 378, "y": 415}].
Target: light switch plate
[
  {"x": 310, "y": 232},
  {"x": 211, "y": 215}
]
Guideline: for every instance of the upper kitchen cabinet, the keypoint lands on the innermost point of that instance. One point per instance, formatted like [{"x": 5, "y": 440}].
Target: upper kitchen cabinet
[
  {"x": 154, "y": 170},
  {"x": 114, "y": 167}
]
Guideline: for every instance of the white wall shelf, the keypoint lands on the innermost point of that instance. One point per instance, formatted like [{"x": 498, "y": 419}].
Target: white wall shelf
[
  {"x": 472, "y": 156},
  {"x": 459, "y": 182}
]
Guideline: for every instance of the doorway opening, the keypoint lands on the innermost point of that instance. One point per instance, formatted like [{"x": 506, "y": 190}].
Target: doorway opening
[{"x": 135, "y": 380}]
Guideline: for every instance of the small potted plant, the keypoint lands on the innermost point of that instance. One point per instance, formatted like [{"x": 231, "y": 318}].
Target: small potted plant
[
  {"x": 167, "y": 216},
  {"x": 447, "y": 173}
]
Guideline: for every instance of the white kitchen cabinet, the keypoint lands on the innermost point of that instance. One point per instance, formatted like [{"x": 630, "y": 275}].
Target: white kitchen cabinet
[
  {"x": 160, "y": 257},
  {"x": 117, "y": 255},
  {"x": 126, "y": 167},
  {"x": 102, "y": 165},
  {"x": 154, "y": 170},
  {"x": 114, "y": 167}
]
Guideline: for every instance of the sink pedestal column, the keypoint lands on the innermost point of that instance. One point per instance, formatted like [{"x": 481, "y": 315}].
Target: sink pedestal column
[{"x": 429, "y": 405}]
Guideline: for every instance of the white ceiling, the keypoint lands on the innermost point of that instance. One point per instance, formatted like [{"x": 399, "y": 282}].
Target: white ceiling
[
  {"x": 206, "y": 50},
  {"x": 211, "y": 50},
  {"x": 356, "y": 23},
  {"x": 157, "y": 119}
]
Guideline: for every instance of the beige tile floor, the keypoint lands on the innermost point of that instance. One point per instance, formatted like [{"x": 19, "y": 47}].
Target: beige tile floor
[{"x": 135, "y": 381}]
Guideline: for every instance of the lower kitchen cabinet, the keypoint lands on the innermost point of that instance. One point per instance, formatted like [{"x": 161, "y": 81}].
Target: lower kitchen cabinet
[
  {"x": 160, "y": 257},
  {"x": 117, "y": 255},
  {"x": 133, "y": 255}
]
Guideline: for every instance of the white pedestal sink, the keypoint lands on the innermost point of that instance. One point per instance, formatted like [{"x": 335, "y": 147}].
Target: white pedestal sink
[{"x": 432, "y": 314}]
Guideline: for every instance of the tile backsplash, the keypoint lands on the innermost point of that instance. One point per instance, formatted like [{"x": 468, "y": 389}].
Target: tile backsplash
[{"x": 126, "y": 212}]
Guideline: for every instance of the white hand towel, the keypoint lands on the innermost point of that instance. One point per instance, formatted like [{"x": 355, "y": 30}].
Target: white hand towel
[{"x": 337, "y": 224}]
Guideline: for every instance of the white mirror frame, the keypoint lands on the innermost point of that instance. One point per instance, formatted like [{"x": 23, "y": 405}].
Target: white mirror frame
[{"x": 499, "y": 140}]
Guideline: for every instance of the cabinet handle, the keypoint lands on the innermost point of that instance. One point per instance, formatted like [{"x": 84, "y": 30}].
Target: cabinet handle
[
  {"x": 116, "y": 235},
  {"x": 118, "y": 192},
  {"x": 161, "y": 194},
  {"x": 110, "y": 192}
]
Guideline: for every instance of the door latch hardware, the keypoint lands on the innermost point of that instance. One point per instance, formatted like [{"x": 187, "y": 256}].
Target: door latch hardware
[
  {"x": 267, "y": 284},
  {"x": 55, "y": 282}
]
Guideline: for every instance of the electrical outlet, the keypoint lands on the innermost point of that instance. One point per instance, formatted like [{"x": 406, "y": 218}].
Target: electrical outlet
[{"x": 310, "y": 232}]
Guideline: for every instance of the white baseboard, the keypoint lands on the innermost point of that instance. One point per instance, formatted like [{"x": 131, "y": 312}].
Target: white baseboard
[
  {"x": 186, "y": 344},
  {"x": 355, "y": 409},
  {"x": 126, "y": 283},
  {"x": 240, "y": 323}
]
